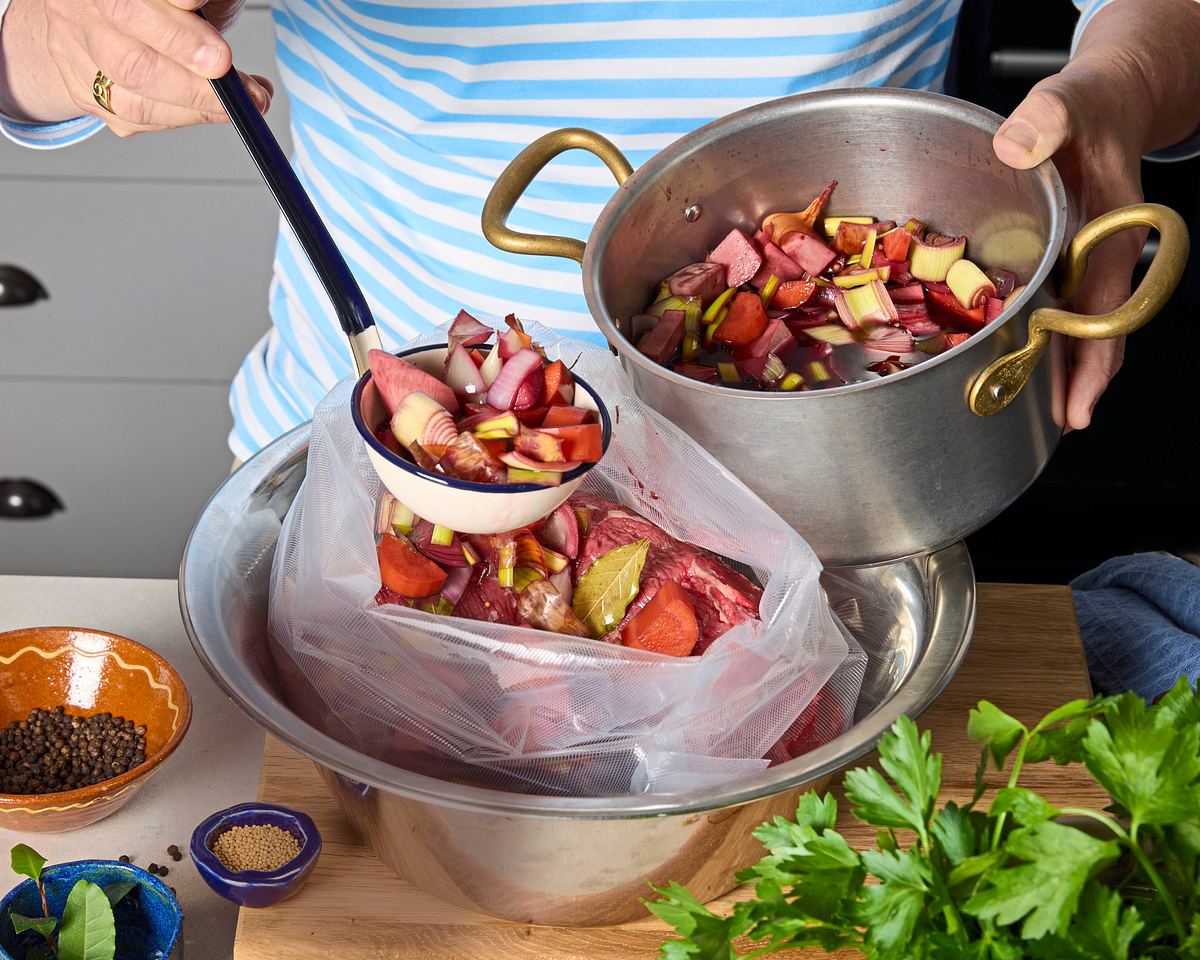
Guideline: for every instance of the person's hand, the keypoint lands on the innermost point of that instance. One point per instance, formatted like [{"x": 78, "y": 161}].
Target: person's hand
[
  {"x": 158, "y": 54},
  {"x": 1096, "y": 144}
]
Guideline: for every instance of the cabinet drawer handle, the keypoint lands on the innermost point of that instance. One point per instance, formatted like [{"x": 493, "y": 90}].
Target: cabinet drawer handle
[
  {"x": 25, "y": 499},
  {"x": 19, "y": 287}
]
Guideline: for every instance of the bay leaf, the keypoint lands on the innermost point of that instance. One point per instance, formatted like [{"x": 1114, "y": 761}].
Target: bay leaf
[
  {"x": 88, "y": 930},
  {"x": 604, "y": 593}
]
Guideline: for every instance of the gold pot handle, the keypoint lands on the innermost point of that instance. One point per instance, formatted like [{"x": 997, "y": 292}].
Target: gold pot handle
[
  {"x": 519, "y": 174},
  {"x": 996, "y": 387}
]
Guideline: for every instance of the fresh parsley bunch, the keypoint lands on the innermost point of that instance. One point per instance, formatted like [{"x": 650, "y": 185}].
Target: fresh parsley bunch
[{"x": 1021, "y": 879}]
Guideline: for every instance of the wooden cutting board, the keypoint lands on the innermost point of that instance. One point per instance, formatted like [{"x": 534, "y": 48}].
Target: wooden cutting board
[{"x": 1026, "y": 657}]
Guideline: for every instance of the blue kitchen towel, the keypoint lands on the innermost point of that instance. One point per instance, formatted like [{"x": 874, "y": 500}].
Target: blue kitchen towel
[{"x": 1140, "y": 621}]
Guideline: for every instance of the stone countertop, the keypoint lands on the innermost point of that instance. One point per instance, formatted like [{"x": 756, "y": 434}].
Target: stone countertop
[{"x": 216, "y": 766}]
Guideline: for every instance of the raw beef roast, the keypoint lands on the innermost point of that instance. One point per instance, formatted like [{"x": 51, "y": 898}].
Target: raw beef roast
[{"x": 721, "y": 597}]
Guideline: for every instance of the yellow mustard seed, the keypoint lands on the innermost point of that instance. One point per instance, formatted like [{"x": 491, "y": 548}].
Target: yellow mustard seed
[{"x": 255, "y": 847}]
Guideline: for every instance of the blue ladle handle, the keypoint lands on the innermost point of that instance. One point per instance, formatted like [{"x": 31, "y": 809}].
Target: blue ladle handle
[{"x": 348, "y": 301}]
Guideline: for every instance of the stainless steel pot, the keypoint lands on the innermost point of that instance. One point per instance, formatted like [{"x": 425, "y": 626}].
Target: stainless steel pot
[
  {"x": 893, "y": 467},
  {"x": 549, "y": 859}
]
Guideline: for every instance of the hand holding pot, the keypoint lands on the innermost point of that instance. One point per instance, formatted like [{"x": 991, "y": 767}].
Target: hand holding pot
[
  {"x": 158, "y": 55},
  {"x": 1121, "y": 95}
]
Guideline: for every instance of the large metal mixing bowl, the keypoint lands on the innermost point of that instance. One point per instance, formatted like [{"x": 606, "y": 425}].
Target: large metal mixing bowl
[{"x": 550, "y": 859}]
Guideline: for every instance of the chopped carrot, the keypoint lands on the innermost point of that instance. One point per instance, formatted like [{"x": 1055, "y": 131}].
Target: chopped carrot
[
  {"x": 532, "y": 417},
  {"x": 667, "y": 624},
  {"x": 405, "y": 571},
  {"x": 793, "y": 293},
  {"x": 945, "y": 309},
  {"x": 745, "y": 323},
  {"x": 584, "y": 442},
  {"x": 554, "y": 376},
  {"x": 896, "y": 244},
  {"x": 558, "y": 416}
]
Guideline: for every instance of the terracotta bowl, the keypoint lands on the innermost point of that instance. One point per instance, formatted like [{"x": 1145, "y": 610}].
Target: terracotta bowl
[{"x": 88, "y": 672}]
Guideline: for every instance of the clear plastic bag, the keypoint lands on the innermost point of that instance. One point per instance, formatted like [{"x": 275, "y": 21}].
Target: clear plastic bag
[{"x": 519, "y": 709}]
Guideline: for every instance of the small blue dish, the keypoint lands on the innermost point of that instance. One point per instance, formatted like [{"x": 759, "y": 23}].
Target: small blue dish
[
  {"x": 148, "y": 918},
  {"x": 256, "y": 888}
]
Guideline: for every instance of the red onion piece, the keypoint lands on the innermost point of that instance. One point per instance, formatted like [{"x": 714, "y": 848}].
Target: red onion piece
[
  {"x": 513, "y": 375},
  {"x": 560, "y": 532},
  {"x": 466, "y": 331},
  {"x": 916, "y": 320},
  {"x": 992, "y": 308},
  {"x": 562, "y": 583},
  {"x": 530, "y": 391},
  {"x": 511, "y": 342},
  {"x": 448, "y": 556},
  {"x": 462, "y": 376},
  {"x": 455, "y": 586},
  {"x": 1005, "y": 281},
  {"x": 477, "y": 414},
  {"x": 825, "y": 296},
  {"x": 889, "y": 340},
  {"x": 910, "y": 293}
]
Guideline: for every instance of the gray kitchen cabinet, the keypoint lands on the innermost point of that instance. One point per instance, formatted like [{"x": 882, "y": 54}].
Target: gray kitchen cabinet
[
  {"x": 133, "y": 464},
  {"x": 154, "y": 281},
  {"x": 200, "y": 153},
  {"x": 156, "y": 253}
]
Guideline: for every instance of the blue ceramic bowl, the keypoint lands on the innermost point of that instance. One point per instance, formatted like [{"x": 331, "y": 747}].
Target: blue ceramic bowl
[
  {"x": 256, "y": 888},
  {"x": 148, "y": 918}
]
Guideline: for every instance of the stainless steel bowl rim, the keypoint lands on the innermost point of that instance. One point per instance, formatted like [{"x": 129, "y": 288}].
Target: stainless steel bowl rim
[
  {"x": 929, "y": 677},
  {"x": 646, "y": 177}
]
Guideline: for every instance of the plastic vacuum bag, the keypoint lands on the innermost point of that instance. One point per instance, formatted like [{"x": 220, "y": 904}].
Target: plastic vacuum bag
[{"x": 518, "y": 709}]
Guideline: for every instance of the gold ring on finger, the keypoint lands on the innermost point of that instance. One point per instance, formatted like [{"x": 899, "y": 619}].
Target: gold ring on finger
[{"x": 102, "y": 91}]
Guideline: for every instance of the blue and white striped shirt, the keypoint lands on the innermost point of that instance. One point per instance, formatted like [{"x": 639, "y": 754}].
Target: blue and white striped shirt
[{"x": 404, "y": 113}]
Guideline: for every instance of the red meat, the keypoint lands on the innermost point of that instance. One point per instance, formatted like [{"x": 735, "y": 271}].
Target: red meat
[
  {"x": 722, "y": 597},
  {"x": 484, "y": 599}
]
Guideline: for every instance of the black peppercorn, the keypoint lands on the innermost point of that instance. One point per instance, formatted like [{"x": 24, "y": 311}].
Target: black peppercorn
[{"x": 53, "y": 750}]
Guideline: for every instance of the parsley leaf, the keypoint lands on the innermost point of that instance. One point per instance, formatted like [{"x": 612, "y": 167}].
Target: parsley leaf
[
  {"x": 705, "y": 935},
  {"x": 1101, "y": 931},
  {"x": 994, "y": 730},
  {"x": 904, "y": 754},
  {"x": 1045, "y": 888},
  {"x": 955, "y": 833},
  {"x": 813, "y": 860},
  {"x": 891, "y": 909},
  {"x": 1180, "y": 705},
  {"x": 1025, "y": 806},
  {"x": 1150, "y": 768},
  {"x": 1102, "y": 927}
]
